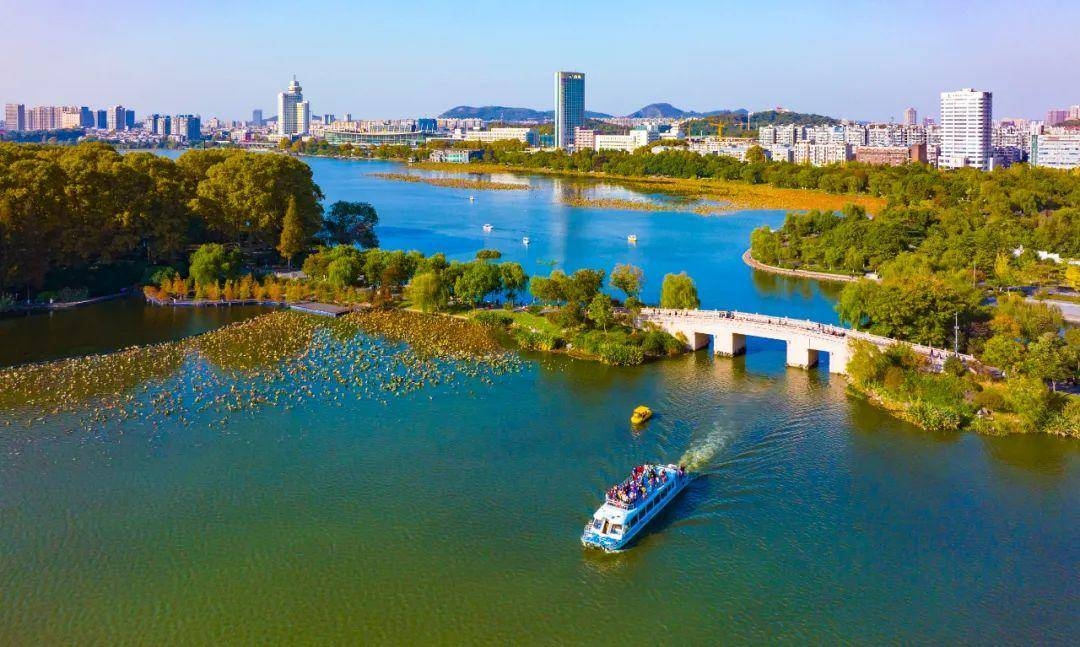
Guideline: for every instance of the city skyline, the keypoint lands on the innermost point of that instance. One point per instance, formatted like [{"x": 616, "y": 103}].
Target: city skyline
[{"x": 874, "y": 72}]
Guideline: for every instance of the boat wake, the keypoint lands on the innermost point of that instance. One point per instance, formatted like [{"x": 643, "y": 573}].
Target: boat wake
[{"x": 702, "y": 451}]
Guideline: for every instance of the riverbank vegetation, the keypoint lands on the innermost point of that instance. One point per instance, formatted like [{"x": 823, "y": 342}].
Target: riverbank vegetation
[{"x": 88, "y": 217}]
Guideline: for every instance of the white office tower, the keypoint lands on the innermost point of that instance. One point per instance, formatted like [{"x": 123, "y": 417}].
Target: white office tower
[
  {"x": 294, "y": 114},
  {"x": 966, "y": 117},
  {"x": 569, "y": 107}
]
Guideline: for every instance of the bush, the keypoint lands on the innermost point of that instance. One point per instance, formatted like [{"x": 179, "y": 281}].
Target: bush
[
  {"x": 7, "y": 302},
  {"x": 894, "y": 379},
  {"x": 537, "y": 340},
  {"x": 618, "y": 354},
  {"x": 158, "y": 274},
  {"x": 492, "y": 318},
  {"x": 953, "y": 366},
  {"x": 936, "y": 418},
  {"x": 990, "y": 399}
]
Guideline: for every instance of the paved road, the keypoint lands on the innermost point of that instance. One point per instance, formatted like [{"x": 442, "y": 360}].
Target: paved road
[{"x": 1069, "y": 309}]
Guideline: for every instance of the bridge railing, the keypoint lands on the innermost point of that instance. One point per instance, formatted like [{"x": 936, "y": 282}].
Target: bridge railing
[{"x": 802, "y": 325}]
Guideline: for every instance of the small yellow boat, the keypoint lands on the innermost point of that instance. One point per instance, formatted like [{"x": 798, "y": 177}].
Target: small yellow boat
[{"x": 640, "y": 415}]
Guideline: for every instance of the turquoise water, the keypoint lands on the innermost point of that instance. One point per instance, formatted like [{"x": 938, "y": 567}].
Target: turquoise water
[{"x": 451, "y": 514}]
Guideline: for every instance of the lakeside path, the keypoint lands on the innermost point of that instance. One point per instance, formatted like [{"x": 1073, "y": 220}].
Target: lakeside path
[{"x": 802, "y": 274}]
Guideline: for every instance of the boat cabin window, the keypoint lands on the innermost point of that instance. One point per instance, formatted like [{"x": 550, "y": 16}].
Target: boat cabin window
[{"x": 616, "y": 528}]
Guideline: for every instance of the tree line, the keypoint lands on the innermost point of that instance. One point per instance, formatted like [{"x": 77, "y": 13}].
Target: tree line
[{"x": 67, "y": 213}]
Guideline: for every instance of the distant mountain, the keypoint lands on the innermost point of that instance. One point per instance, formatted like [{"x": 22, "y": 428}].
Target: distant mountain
[
  {"x": 668, "y": 111},
  {"x": 504, "y": 113}
]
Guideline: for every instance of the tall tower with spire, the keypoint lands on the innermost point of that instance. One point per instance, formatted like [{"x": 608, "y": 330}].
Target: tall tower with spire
[{"x": 294, "y": 114}]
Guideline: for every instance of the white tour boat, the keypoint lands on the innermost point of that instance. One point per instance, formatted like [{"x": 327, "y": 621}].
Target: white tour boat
[{"x": 631, "y": 505}]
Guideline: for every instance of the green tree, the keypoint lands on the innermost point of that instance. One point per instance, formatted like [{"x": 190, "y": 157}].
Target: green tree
[
  {"x": 1004, "y": 353},
  {"x": 293, "y": 239},
  {"x": 351, "y": 223},
  {"x": 755, "y": 154},
  {"x": 600, "y": 311},
  {"x": 344, "y": 269},
  {"x": 427, "y": 292},
  {"x": 1072, "y": 276},
  {"x": 514, "y": 279},
  {"x": 479, "y": 280},
  {"x": 488, "y": 255},
  {"x": 213, "y": 263},
  {"x": 1048, "y": 358},
  {"x": 628, "y": 279},
  {"x": 678, "y": 291}
]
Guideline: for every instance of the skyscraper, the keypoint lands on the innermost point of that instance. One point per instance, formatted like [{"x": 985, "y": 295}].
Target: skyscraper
[
  {"x": 911, "y": 117},
  {"x": 569, "y": 106},
  {"x": 101, "y": 119},
  {"x": 129, "y": 119},
  {"x": 15, "y": 117},
  {"x": 294, "y": 114},
  {"x": 188, "y": 127},
  {"x": 256, "y": 117},
  {"x": 965, "y": 129},
  {"x": 115, "y": 118}
]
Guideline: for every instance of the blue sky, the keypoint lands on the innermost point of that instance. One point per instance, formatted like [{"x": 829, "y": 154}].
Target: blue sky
[{"x": 860, "y": 60}]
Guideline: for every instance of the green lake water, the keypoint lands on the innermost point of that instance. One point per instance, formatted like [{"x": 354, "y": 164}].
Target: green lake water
[{"x": 452, "y": 514}]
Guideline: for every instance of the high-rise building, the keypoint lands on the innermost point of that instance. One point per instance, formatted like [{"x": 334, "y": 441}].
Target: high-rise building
[
  {"x": 188, "y": 127},
  {"x": 348, "y": 116},
  {"x": 1056, "y": 151},
  {"x": 256, "y": 117},
  {"x": 569, "y": 107},
  {"x": 1055, "y": 116},
  {"x": 966, "y": 117},
  {"x": 911, "y": 117},
  {"x": 129, "y": 119},
  {"x": 15, "y": 117},
  {"x": 294, "y": 114},
  {"x": 101, "y": 119},
  {"x": 115, "y": 118},
  {"x": 86, "y": 117}
]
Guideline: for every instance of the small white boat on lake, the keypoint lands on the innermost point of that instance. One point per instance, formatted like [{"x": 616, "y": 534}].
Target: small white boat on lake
[
  {"x": 525, "y": 240},
  {"x": 631, "y": 505},
  {"x": 488, "y": 228},
  {"x": 472, "y": 198},
  {"x": 632, "y": 238}
]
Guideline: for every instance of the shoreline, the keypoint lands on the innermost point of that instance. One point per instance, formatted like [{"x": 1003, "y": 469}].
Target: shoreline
[
  {"x": 739, "y": 194},
  {"x": 802, "y": 274}
]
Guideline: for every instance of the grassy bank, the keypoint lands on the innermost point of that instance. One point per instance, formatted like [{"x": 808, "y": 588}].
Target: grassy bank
[
  {"x": 737, "y": 194},
  {"x": 619, "y": 345}
]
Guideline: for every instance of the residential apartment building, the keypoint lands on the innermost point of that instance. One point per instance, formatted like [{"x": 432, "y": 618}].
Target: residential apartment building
[
  {"x": 584, "y": 139},
  {"x": 966, "y": 119},
  {"x": 116, "y": 118},
  {"x": 186, "y": 128},
  {"x": 891, "y": 155},
  {"x": 15, "y": 117},
  {"x": 1060, "y": 151},
  {"x": 821, "y": 154},
  {"x": 569, "y": 106},
  {"x": 725, "y": 146},
  {"x": 911, "y": 117}
]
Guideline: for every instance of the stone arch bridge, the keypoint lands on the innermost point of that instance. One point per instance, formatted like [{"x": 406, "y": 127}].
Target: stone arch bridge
[{"x": 805, "y": 339}]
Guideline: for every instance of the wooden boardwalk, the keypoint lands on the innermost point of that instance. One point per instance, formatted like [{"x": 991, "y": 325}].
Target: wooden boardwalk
[{"x": 323, "y": 309}]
